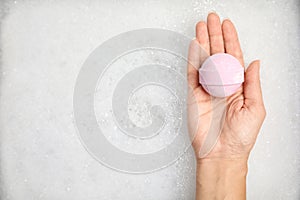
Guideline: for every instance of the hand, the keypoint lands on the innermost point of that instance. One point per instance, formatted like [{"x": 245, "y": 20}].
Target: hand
[
  {"x": 221, "y": 173},
  {"x": 244, "y": 110}
]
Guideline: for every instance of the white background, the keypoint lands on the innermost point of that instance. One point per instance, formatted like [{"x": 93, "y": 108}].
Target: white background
[{"x": 44, "y": 44}]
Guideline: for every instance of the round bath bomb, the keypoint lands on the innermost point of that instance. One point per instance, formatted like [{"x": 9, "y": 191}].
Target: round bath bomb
[{"x": 221, "y": 75}]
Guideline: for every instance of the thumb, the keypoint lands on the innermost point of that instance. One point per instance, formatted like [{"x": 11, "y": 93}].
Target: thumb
[{"x": 252, "y": 88}]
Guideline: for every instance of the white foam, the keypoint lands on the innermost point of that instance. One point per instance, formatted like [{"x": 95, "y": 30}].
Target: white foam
[{"x": 44, "y": 44}]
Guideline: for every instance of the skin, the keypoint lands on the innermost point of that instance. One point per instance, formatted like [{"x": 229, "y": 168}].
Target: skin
[{"x": 221, "y": 174}]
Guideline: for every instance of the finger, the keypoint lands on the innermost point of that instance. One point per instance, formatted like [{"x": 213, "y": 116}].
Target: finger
[
  {"x": 193, "y": 64},
  {"x": 231, "y": 41},
  {"x": 252, "y": 88},
  {"x": 195, "y": 52},
  {"x": 215, "y": 34},
  {"x": 203, "y": 39}
]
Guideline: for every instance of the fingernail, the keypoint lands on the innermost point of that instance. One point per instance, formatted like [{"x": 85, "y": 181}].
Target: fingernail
[{"x": 212, "y": 12}]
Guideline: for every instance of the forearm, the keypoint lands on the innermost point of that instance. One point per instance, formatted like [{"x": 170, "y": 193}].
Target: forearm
[{"x": 221, "y": 179}]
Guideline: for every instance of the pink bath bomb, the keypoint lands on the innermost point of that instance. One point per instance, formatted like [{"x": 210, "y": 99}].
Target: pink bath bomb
[{"x": 221, "y": 75}]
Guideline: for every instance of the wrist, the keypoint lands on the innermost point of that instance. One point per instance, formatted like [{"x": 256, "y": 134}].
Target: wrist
[
  {"x": 221, "y": 178},
  {"x": 223, "y": 166}
]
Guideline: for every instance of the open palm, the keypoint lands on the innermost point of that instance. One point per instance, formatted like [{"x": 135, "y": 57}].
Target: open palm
[{"x": 238, "y": 116}]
